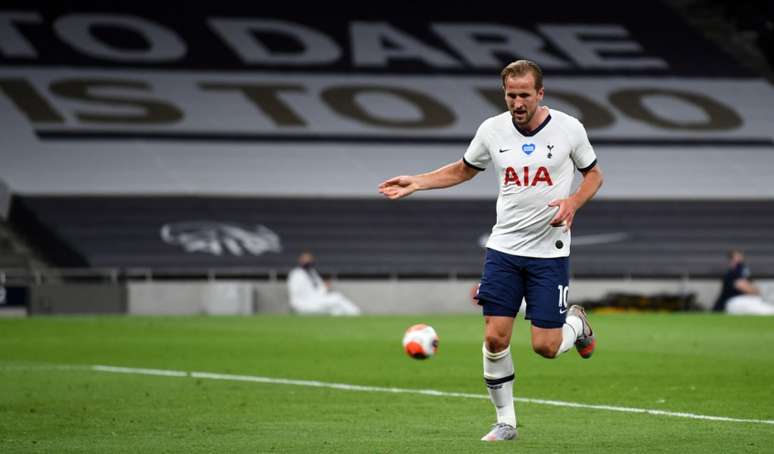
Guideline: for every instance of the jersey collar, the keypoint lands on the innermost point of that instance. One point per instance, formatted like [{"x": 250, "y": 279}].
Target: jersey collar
[{"x": 526, "y": 133}]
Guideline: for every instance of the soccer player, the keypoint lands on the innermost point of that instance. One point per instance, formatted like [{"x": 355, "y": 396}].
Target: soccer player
[{"x": 534, "y": 151}]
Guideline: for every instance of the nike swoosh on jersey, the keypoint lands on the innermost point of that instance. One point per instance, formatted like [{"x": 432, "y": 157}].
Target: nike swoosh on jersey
[{"x": 507, "y": 149}]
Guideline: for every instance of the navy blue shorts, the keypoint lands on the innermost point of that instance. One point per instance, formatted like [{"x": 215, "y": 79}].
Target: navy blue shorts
[{"x": 543, "y": 282}]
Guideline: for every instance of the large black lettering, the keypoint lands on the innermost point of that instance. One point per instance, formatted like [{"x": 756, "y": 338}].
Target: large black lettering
[
  {"x": 591, "y": 114},
  {"x": 264, "y": 96},
  {"x": 29, "y": 101},
  {"x": 343, "y": 100},
  {"x": 244, "y": 38},
  {"x": 719, "y": 116},
  {"x": 152, "y": 111},
  {"x": 77, "y": 30}
]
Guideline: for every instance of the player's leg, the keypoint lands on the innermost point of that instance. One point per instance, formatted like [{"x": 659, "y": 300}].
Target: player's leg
[
  {"x": 500, "y": 295},
  {"x": 555, "y": 328},
  {"x": 552, "y": 342},
  {"x": 547, "y": 342},
  {"x": 499, "y": 373}
]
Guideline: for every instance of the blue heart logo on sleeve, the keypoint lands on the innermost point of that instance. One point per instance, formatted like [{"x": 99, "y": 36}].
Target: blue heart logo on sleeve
[{"x": 528, "y": 148}]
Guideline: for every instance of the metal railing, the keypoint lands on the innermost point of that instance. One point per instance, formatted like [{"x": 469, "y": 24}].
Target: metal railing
[
  {"x": 38, "y": 276},
  {"x": 116, "y": 275}
]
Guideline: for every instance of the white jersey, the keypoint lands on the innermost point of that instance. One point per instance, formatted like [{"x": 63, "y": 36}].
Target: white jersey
[{"x": 533, "y": 168}]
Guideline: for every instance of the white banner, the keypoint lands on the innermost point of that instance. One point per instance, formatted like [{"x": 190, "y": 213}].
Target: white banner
[
  {"x": 264, "y": 106},
  {"x": 262, "y": 133}
]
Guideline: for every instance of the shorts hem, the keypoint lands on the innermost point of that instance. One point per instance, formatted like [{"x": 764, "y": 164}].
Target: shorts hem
[
  {"x": 490, "y": 308},
  {"x": 546, "y": 324}
]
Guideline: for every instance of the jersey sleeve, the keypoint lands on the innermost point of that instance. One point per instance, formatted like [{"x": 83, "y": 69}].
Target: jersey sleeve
[
  {"x": 582, "y": 155},
  {"x": 477, "y": 154}
]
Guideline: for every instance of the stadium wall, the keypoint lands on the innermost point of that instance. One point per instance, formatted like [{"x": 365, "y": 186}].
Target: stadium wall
[
  {"x": 376, "y": 297},
  {"x": 208, "y": 298},
  {"x": 50, "y": 299}
]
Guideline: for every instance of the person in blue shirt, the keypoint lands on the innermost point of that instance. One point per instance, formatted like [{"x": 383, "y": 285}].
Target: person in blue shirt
[{"x": 738, "y": 295}]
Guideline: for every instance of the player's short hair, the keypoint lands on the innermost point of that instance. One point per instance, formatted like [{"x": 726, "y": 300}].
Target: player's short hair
[{"x": 520, "y": 68}]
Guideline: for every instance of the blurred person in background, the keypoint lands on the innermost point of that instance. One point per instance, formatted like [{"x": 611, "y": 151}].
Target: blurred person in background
[
  {"x": 310, "y": 294},
  {"x": 738, "y": 295}
]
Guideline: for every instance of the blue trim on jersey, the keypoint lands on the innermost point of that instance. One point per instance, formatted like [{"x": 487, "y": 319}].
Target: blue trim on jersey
[
  {"x": 526, "y": 133},
  {"x": 471, "y": 165}
]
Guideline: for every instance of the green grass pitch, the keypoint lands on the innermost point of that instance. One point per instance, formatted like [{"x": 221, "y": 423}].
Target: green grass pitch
[{"x": 701, "y": 364}]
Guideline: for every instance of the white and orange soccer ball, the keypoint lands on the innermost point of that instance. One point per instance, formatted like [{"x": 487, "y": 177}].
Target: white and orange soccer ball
[{"x": 420, "y": 341}]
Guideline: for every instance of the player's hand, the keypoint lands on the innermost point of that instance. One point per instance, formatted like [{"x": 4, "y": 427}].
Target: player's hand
[
  {"x": 565, "y": 214},
  {"x": 398, "y": 187},
  {"x": 474, "y": 295}
]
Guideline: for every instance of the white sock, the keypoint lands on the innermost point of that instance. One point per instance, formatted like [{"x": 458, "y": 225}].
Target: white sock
[
  {"x": 570, "y": 331},
  {"x": 499, "y": 376}
]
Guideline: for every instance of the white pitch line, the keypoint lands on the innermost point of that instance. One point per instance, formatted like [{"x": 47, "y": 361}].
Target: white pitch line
[
  {"x": 22, "y": 367},
  {"x": 648, "y": 411},
  {"x": 132, "y": 370},
  {"x": 425, "y": 392}
]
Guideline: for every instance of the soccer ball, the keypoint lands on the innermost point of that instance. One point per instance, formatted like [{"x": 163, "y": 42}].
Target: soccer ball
[{"x": 420, "y": 341}]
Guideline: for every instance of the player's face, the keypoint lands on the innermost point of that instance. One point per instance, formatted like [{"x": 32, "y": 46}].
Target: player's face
[{"x": 522, "y": 99}]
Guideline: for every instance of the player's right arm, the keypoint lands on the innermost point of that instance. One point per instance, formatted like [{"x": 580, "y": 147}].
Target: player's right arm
[{"x": 444, "y": 177}]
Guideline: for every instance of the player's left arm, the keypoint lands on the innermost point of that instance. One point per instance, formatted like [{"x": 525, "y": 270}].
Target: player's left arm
[{"x": 592, "y": 180}]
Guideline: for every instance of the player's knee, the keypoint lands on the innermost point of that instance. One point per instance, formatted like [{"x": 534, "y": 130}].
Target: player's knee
[
  {"x": 546, "y": 349},
  {"x": 495, "y": 343}
]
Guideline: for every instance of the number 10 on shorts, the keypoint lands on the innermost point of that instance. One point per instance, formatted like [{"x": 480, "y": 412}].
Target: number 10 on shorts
[{"x": 564, "y": 292}]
